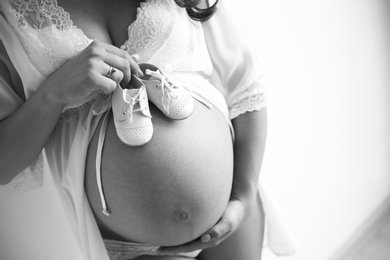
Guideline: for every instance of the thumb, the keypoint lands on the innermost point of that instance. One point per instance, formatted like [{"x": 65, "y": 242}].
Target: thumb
[{"x": 228, "y": 223}]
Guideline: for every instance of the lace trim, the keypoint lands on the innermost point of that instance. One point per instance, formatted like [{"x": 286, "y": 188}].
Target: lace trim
[
  {"x": 28, "y": 179},
  {"x": 154, "y": 21},
  {"x": 47, "y": 33},
  {"x": 157, "y": 36},
  {"x": 40, "y": 13},
  {"x": 249, "y": 104}
]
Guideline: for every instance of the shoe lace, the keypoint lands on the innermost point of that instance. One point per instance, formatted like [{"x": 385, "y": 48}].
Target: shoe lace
[
  {"x": 132, "y": 102},
  {"x": 167, "y": 87}
]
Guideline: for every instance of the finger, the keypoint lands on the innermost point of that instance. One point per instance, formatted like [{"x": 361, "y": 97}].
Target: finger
[
  {"x": 192, "y": 246},
  {"x": 104, "y": 84},
  {"x": 121, "y": 53},
  {"x": 121, "y": 65},
  {"x": 117, "y": 58},
  {"x": 189, "y": 247},
  {"x": 113, "y": 73},
  {"x": 135, "y": 57},
  {"x": 212, "y": 238},
  {"x": 224, "y": 227},
  {"x": 229, "y": 222}
]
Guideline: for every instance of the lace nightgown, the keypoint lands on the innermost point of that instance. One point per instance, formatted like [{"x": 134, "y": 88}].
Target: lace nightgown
[{"x": 39, "y": 37}]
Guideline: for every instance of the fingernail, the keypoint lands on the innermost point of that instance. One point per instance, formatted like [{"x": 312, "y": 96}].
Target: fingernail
[
  {"x": 140, "y": 73},
  {"x": 135, "y": 57},
  {"x": 205, "y": 238}
]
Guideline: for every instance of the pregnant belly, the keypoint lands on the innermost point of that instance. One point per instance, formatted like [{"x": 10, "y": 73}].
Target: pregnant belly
[{"x": 169, "y": 191}]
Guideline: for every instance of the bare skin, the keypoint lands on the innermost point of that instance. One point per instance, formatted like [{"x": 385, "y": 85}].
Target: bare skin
[
  {"x": 169, "y": 191},
  {"x": 99, "y": 21}
]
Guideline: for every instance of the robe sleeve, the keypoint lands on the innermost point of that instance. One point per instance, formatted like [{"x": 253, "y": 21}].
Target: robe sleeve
[
  {"x": 236, "y": 70},
  {"x": 11, "y": 98}
]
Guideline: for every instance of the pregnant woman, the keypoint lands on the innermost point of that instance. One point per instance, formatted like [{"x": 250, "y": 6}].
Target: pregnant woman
[{"x": 191, "y": 191}]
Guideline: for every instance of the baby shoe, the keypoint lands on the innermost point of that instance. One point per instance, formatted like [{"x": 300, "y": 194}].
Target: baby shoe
[
  {"x": 132, "y": 117},
  {"x": 173, "y": 100}
]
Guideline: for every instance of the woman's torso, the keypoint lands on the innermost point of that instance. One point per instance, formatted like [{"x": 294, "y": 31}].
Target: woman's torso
[
  {"x": 172, "y": 189},
  {"x": 176, "y": 187},
  {"x": 169, "y": 191}
]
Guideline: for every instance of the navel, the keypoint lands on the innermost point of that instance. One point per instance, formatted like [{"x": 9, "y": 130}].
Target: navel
[{"x": 182, "y": 215}]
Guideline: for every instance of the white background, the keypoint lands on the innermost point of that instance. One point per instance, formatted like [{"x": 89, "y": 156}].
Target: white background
[{"x": 327, "y": 161}]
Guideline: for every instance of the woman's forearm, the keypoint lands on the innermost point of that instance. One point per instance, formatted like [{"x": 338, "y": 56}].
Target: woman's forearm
[
  {"x": 24, "y": 133},
  {"x": 250, "y": 132}
]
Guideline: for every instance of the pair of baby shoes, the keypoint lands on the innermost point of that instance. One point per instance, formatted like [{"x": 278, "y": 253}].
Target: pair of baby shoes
[{"x": 130, "y": 107}]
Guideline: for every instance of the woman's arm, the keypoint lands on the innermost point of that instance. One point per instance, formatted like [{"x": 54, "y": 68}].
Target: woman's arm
[
  {"x": 24, "y": 132},
  {"x": 24, "y": 127},
  {"x": 251, "y": 131}
]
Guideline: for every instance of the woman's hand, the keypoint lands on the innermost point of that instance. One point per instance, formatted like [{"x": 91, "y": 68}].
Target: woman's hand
[
  {"x": 231, "y": 219},
  {"x": 87, "y": 73}
]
